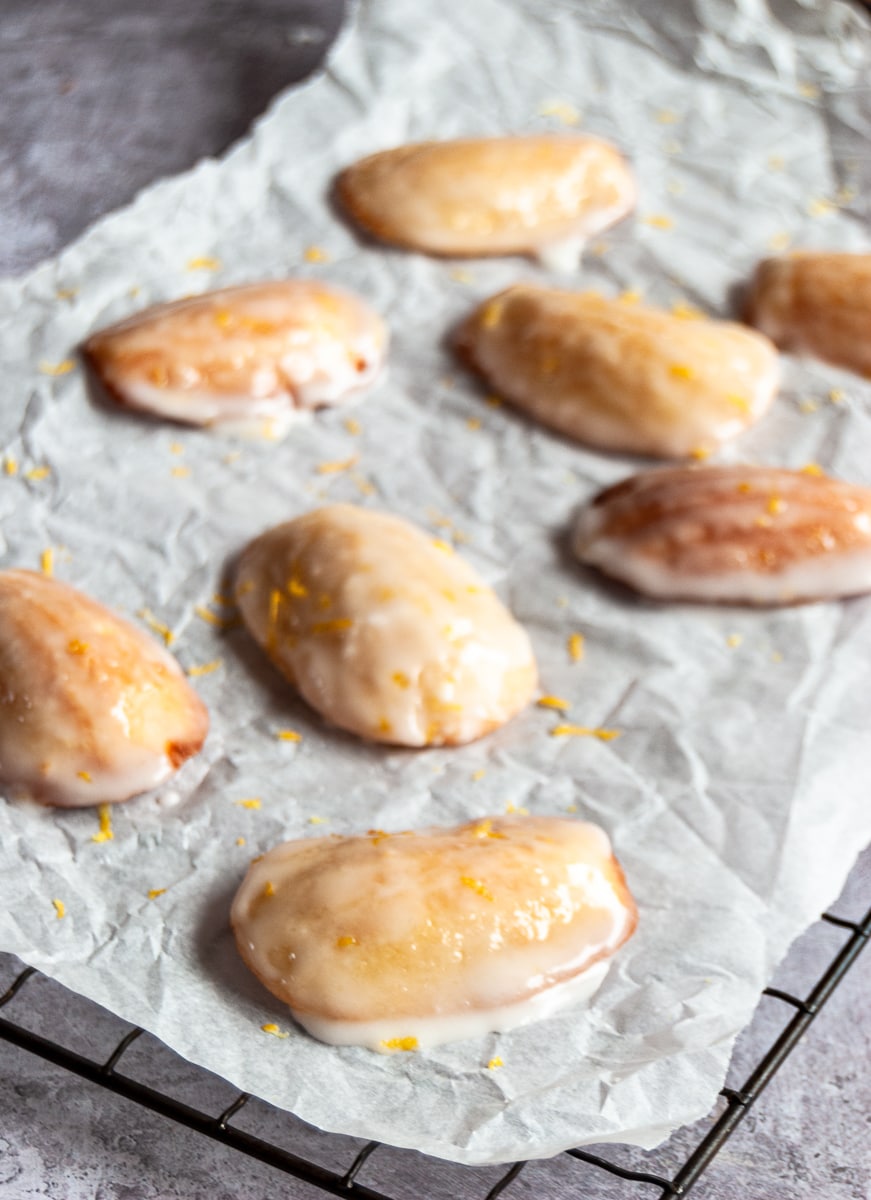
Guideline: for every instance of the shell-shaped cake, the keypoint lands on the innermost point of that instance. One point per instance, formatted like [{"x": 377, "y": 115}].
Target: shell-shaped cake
[
  {"x": 737, "y": 534},
  {"x": 816, "y": 304},
  {"x": 384, "y": 630},
  {"x": 92, "y": 710},
  {"x": 543, "y": 194},
  {"x": 253, "y": 357},
  {"x": 621, "y": 376},
  {"x": 404, "y": 941}
]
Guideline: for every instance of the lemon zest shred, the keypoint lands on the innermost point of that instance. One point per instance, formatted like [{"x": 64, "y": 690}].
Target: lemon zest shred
[
  {"x": 659, "y": 221},
  {"x": 155, "y": 892},
  {"x": 10, "y": 465},
  {"x": 315, "y": 254},
  {"x": 353, "y": 426},
  {"x": 206, "y": 668},
  {"x": 342, "y": 464},
  {"x": 269, "y": 888},
  {"x": 59, "y": 368},
  {"x": 204, "y": 263},
  {"x": 105, "y": 833},
  {"x": 74, "y": 646},
  {"x": 576, "y": 646},
  {"x": 812, "y": 468},
  {"x": 37, "y": 474},
  {"x": 681, "y": 371},
  {"x": 346, "y": 939},
  {"x": 60, "y": 909},
  {"x": 336, "y": 625},
  {"x": 479, "y": 774},
  {"x": 734, "y": 640},
  {"x": 46, "y": 563},
  {"x": 84, "y": 775},
  {"x": 288, "y": 735},
  {"x": 553, "y": 702},
  {"x": 495, "y": 1063},
  {"x": 158, "y": 626},
  {"x": 271, "y": 1028},
  {"x": 241, "y": 841},
  {"x": 252, "y": 802},
  {"x": 317, "y": 820},
  {"x": 400, "y": 1043}
]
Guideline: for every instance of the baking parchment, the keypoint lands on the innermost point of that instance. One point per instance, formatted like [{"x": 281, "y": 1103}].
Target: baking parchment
[{"x": 736, "y": 794}]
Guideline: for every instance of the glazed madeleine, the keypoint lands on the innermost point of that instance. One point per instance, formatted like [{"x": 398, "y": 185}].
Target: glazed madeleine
[
  {"x": 816, "y": 304},
  {"x": 742, "y": 535},
  {"x": 621, "y": 376},
  {"x": 262, "y": 354},
  {"x": 409, "y": 940},
  {"x": 542, "y": 194},
  {"x": 383, "y": 630},
  {"x": 93, "y": 711}
]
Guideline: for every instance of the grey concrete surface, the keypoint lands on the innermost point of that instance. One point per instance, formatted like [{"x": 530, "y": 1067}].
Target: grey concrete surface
[{"x": 99, "y": 98}]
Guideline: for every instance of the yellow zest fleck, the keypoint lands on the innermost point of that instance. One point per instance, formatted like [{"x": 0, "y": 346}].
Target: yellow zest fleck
[
  {"x": 808, "y": 406},
  {"x": 604, "y": 735},
  {"x": 659, "y": 221},
  {"x": 494, "y": 1064},
  {"x": 288, "y": 735},
  {"x": 337, "y": 625},
  {"x": 576, "y": 646},
  {"x": 779, "y": 241},
  {"x": 250, "y": 802},
  {"x": 377, "y": 835},
  {"x": 510, "y": 808},
  {"x": 745, "y": 487},
  {"x": 315, "y": 254},
  {"x": 553, "y": 702},
  {"x": 176, "y": 448},
  {"x": 836, "y": 395},
  {"x": 400, "y": 1043},
  {"x": 630, "y": 296},
  {"x": 204, "y": 263},
  {"x": 158, "y": 626},
  {"x": 74, "y": 646},
  {"x": 681, "y": 371},
  {"x": 60, "y": 368},
  {"x": 296, "y": 587},
  {"x": 269, "y": 888},
  {"x": 46, "y": 562},
  {"x": 400, "y": 679},
  {"x": 820, "y": 207},
  {"x": 740, "y": 402},
  {"x": 346, "y": 940},
  {"x": 562, "y": 110},
  {"x": 700, "y": 453},
  {"x": 476, "y": 886},
  {"x": 38, "y": 473},
  {"x": 240, "y": 841},
  {"x": 10, "y": 465},
  {"x": 155, "y": 892},
  {"x": 274, "y": 1030},
  {"x": 812, "y": 468},
  {"x": 775, "y": 505},
  {"x": 479, "y": 774},
  {"x": 440, "y": 544},
  {"x": 343, "y": 464},
  {"x": 473, "y": 423},
  {"x": 686, "y": 312},
  {"x": 363, "y": 485},
  {"x": 384, "y": 725},
  {"x": 493, "y": 400},
  {"x": 60, "y": 908},
  {"x": 180, "y": 472},
  {"x": 491, "y": 314},
  {"x": 353, "y": 427},
  {"x": 213, "y": 619},
  {"x": 67, "y": 293},
  {"x": 762, "y": 521},
  {"x": 810, "y": 91},
  {"x": 158, "y": 375},
  {"x": 317, "y": 820},
  {"x": 461, "y": 275},
  {"x": 734, "y": 640},
  {"x": 571, "y": 808},
  {"x": 105, "y": 834},
  {"x": 84, "y": 775},
  {"x": 667, "y": 116},
  {"x": 206, "y": 668},
  {"x": 224, "y": 318}
]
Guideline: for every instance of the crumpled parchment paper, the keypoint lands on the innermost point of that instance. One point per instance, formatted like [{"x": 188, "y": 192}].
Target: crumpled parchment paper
[{"x": 736, "y": 794}]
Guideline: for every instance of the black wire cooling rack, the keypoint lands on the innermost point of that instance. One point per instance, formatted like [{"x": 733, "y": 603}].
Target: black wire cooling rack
[{"x": 220, "y": 1127}]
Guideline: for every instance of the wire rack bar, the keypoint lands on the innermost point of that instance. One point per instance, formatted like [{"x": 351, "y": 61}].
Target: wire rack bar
[{"x": 739, "y": 1100}]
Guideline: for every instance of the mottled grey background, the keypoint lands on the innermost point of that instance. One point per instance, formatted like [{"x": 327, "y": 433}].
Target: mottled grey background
[{"x": 97, "y": 99}]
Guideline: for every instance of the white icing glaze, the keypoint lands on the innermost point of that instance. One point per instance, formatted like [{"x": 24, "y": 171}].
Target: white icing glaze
[
  {"x": 244, "y": 356},
  {"x": 386, "y": 632},
  {"x": 750, "y": 535},
  {"x": 92, "y": 710},
  {"x": 481, "y": 927},
  {"x": 619, "y": 375},
  {"x": 435, "y": 1031}
]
